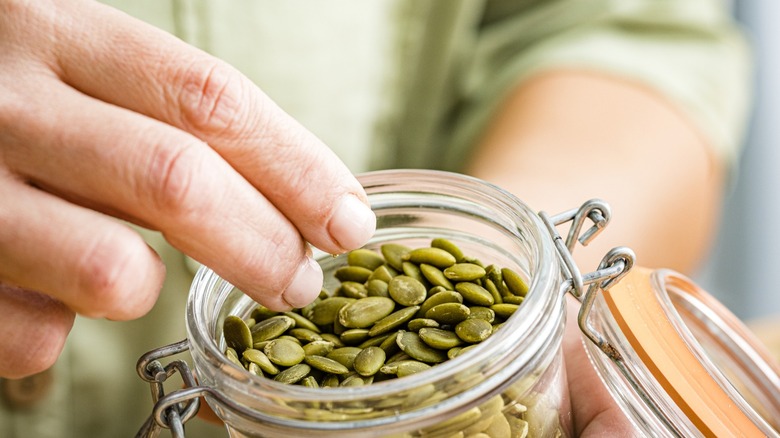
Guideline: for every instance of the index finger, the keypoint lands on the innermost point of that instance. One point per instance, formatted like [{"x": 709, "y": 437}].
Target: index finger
[{"x": 144, "y": 69}]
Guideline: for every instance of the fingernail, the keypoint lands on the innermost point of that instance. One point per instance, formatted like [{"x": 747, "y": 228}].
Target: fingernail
[
  {"x": 352, "y": 224},
  {"x": 305, "y": 286}
]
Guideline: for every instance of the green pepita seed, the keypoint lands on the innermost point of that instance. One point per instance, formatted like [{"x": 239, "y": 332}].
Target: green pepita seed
[
  {"x": 440, "y": 339},
  {"x": 440, "y": 298},
  {"x": 330, "y": 381},
  {"x": 261, "y": 313},
  {"x": 448, "y": 313},
  {"x": 393, "y": 320},
  {"x": 414, "y": 271},
  {"x": 435, "y": 276},
  {"x": 494, "y": 292},
  {"x": 357, "y": 274},
  {"x": 482, "y": 313},
  {"x": 407, "y": 291},
  {"x": 449, "y": 247},
  {"x": 394, "y": 254},
  {"x": 319, "y": 348},
  {"x": 365, "y": 258},
  {"x": 369, "y": 361},
  {"x": 514, "y": 282},
  {"x": 504, "y": 310},
  {"x": 411, "y": 344},
  {"x": 253, "y": 368},
  {"x": 354, "y": 336},
  {"x": 260, "y": 359},
  {"x": 365, "y": 312},
  {"x": 431, "y": 256},
  {"x": 327, "y": 310},
  {"x": 237, "y": 334},
  {"x": 377, "y": 288},
  {"x": 304, "y": 334},
  {"x": 325, "y": 364},
  {"x": 333, "y": 339},
  {"x": 404, "y": 368},
  {"x": 474, "y": 294},
  {"x": 310, "y": 382},
  {"x": 232, "y": 356},
  {"x": 474, "y": 330},
  {"x": 353, "y": 289},
  {"x": 345, "y": 356},
  {"x": 384, "y": 273},
  {"x": 284, "y": 352},
  {"x": 302, "y": 322},
  {"x": 271, "y": 328},
  {"x": 464, "y": 272},
  {"x": 418, "y": 323},
  {"x": 293, "y": 374}
]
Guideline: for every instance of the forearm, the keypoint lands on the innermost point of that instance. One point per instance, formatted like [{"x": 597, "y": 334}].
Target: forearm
[{"x": 566, "y": 137}]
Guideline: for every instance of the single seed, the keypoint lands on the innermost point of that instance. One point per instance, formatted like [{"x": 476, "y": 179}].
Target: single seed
[
  {"x": 383, "y": 273},
  {"x": 393, "y": 320},
  {"x": 482, "y": 313},
  {"x": 261, "y": 313},
  {"x": 432, "y": 256},
  {"x": 284, "y": 352},
  {"x": 293, "y": 374},
  {"x": 365, "y": 258},
  {"x": 414, "y": 271},
  {"x": 327, "y": 310},
  {"x": 418, "y": 323},
  {"x": 404, "y": 368},
  {"x": 325, "y": 364},
  {"x": 473, "y": 330},
  {"x": 345, "y": 356},
  {"x": 448, "y": 313},
  {"x": 271, "y": 328},
  {"x": 365, "y": 312},
  {"x": 310, "y": 382},
  {"x": 504, "y": 310},
  {"x": 353, "y": 289},
  {"x": 514, "y": 282},
  {"x": 377, "y": 288},
  {"x": 260, "y": 359},
  {"x": 232, "y": 356},
  {"x": 464, "y": 272},
  {"x": 253, "y": 368},
  {"x": 368, "y": 361},
  {"x": 407, "y": 291},
  {"x": 448, "y": 246},
  {"x": 357, "y": 274},
  {"x": 302, "y": 322},
  {"x": 475, "y": 294},
  {"x": 304, "y": 335},
  {"x": 435, "y": 276},
  {"x": 394, "y": 254},
  {"x": 411, "y": 344},
  {"x": 440, "y": 298},
  {"x": 440, "y": 339},
  {"x": 237, "y": 334},
  {"x": 319, "y": 348},
  {"x": 355, "y": 336}
]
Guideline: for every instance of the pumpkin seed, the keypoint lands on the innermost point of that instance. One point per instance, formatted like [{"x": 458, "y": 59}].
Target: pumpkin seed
[
  {"x": 271, "y": 328},
  {"x": 448, "y": 313},
  {"x": 407, "y": 291},
  {"x": 365, "y": 258},
  {"x": 325, "y": 364},
  {"x": 327, "y": 310},
  {"x": 365, "y": 312},
  {"x": 356, "y": 274},
  {"x": 431, "y": 256},
  {"x": 448, "y": 246},
  {"x": 260, "y": 359},
  {"x": 394, "y": 254},
  {"x": 369, "y": 361},
  {"x": 284, "y": 352},
  {"x": 354, "y": 336},
  {"x": 403, "y": 368},
  {"x": 480, "y": 312},
  {"x": 237, "y": 334},
  {"x": 464, "y": 272},
  {"x": 393, "y": 320},
  {"x": 383, "y": 273},
  {"x": 319, "y": 348},
  {"x": 414, "y": 271},
  {"x": 345, "y": 356},
  {"x": 475, "y": 294},
  {"x": 440, "y": 298},
  {"x": 418, "y": 323},
  {"x": 473, "y": 330},
  {"x": 302, "y": 322},
  {"x": 514, "y": 282},
  {"x": 504, "y": 310},
  {"x": 293, "y": 374},
  {"x": 411, "y": 344},
  {"x": 377, "y": 288},
  {"x": 304, "y": 334},
  {"x": 353, "y": 289},
  {"x": 440, "y": 339}
]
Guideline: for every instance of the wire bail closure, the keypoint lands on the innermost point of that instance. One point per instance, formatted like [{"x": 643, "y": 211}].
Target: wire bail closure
[
  {"x": 614, "y": 266},
  {"x": 174, "y": 409}
]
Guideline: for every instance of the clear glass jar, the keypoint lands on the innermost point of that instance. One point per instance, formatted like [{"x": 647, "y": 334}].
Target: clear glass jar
[{"x": 516, "y": 374}]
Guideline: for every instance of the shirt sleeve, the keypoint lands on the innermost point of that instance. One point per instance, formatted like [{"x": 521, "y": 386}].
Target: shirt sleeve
[{"x": 692, "y": 52}]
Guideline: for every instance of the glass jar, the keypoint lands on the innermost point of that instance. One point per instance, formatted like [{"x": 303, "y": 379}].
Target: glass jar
[
  {"x": 514, "y": 379},
  {"x": 677, "y": 363}
]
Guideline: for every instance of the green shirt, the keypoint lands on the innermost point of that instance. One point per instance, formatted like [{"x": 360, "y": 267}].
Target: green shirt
[{"x": 391, "y": 83}]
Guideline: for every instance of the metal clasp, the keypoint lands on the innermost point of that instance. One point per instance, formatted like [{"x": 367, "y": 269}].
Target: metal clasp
[{"x": 615, "y": 264}]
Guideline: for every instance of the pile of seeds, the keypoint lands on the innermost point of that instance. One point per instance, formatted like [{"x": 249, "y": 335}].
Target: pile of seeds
[{"x": 393, "y": 314}]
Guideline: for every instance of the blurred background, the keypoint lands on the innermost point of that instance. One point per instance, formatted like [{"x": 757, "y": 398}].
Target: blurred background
[{"x": 744, "y": 267}]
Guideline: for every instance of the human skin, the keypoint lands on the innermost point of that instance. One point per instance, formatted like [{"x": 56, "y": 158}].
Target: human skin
[
  {"x": 102, "y": 115},
  {"x": 567, "y": 136}
]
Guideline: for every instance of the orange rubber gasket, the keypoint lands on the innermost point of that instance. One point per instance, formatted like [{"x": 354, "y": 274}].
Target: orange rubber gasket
[{"x": 643, "y": 321}]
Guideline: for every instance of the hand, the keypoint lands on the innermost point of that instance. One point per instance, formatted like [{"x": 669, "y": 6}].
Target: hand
[
  {"x": 102, "y": 115},
  {"x": 595, "y": 412}
]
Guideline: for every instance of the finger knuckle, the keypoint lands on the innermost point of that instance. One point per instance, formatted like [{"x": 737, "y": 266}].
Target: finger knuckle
[
  {"x": 171, "y": 179},
  {"x": 209, "y": 96},
  {"x": 105, "y": 272}
]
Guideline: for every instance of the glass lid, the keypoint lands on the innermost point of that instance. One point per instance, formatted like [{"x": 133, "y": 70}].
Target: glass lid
[{"x": 685, "y": 365}]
